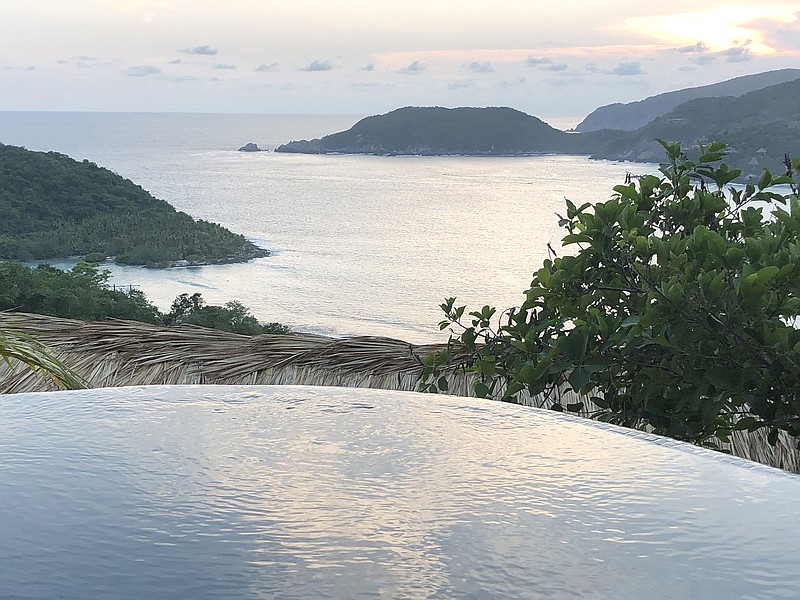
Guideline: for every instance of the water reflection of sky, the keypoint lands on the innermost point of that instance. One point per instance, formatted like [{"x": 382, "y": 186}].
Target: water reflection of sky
[{"x": 232, "y": 492}]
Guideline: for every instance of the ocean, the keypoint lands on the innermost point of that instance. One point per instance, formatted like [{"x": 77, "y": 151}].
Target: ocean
[{"x": 361, "y": 245}]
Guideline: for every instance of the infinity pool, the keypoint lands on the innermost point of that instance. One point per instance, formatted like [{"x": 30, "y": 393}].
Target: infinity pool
[{"x": 299, "y": 492}]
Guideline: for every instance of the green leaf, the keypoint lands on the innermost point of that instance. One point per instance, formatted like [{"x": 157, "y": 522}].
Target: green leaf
[
  {"x": 745, "y": 423},
  {"x": 772, "y": 438},
  {"x": 482, "y": 390},
  {"x": 581, "y": 375},
  {"x": 574, "y": 345}
]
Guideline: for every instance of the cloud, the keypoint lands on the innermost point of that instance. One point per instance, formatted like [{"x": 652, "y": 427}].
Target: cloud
[
  {"x": 510, "y": 84},
  {"x": 368, "y": 67},
  {"x": 705, "y": 59},
  {"x": 480, "y": 67},
  {"x": 564, "y": 82},
  {"x": 267, "y": 68},
  {"x": 781, "y": 35},
  {"x": 535, "y": 61},
  {"x": 316, "y": 65},
  {"x": 545, "y": 64},
  {"x": 202, "y": 50},
  {"x": 183, "y": 78},
  {"x": 224, "y": 67},
  {"x": 698, "y": 48},
  {"x": 627, "y": 69},
  {"x": 142, "y": 71},
  {"x": 414, "y": 67},
  {"x": 460, "y": 84},
  {"x": 370, "y": 85},
  {"x": 736, "y": 54},
  {"x": 177, "y": 61},
  {"x": 592, "y": 68}
]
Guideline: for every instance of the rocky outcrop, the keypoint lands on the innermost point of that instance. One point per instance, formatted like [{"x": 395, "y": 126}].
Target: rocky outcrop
[
  {"x": 302, "y": 147},
  {"x": 251, "y": 147}
]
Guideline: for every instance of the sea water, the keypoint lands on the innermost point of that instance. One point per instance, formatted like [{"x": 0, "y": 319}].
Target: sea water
[{"x": 361, "y": 245}]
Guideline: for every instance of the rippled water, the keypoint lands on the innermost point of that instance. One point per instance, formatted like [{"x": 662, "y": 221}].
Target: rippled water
[
  {"x": 363, "y": 244},
  {"x": 291, "y": 492}
]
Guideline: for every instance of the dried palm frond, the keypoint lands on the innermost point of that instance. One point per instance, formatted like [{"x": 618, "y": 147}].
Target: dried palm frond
[{"x": 125, "y": 353}]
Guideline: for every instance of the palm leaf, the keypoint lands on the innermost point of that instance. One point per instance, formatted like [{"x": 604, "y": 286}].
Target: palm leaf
[{"x": 26, "y": 350}]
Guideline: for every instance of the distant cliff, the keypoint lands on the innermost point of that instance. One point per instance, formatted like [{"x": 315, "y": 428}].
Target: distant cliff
[{"x": 633, "y": 115}]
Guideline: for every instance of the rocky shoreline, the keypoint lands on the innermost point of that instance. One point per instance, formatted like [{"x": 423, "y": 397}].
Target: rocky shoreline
[{"x": 229, "y": 260}]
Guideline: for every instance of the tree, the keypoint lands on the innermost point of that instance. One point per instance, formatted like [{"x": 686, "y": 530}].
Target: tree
[
  {"x": 233, "y": 317},
  {"x": 676, "y": 312},
  {"x": 84, "y": 293}
]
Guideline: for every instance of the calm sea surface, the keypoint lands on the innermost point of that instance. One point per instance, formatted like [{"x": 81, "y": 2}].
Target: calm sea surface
[{"x": 362, "y": 245}]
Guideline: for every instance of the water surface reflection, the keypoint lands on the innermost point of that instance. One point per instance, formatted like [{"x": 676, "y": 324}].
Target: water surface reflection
[{"x": 293, "y": 492}]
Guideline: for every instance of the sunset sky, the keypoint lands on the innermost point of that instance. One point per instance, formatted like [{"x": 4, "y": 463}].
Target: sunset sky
[{"x": 559, "y": 60}]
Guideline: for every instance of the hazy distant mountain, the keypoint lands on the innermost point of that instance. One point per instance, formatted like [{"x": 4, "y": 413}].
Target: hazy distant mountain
[
  {"x": 631, "y": 116},
  {"x": 436, "y": 130},
  {"x": 759, "y": 127}
]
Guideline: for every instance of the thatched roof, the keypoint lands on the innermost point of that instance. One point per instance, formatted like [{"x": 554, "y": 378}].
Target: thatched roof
[
  {"x": 124, "y": 353},
  {"x": 118, "y": 353}
]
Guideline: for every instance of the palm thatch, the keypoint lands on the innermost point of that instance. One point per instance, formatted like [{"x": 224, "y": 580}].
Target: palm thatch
[
  {"x": 22, "y": 348},
  {"x": 124, "y": 353},
  {"x": 120, "y": 353}
]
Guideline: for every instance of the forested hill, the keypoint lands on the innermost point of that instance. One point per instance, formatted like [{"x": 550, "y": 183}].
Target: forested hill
[
  {"x": 437, "y": 130},
  {"x": 632, "y": 115},
  {"x": 53, "y": 206},
  {"x": 759, "y": 127}
]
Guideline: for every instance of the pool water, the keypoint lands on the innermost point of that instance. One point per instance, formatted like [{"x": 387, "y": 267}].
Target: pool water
[{"x": 297, "y": 492}]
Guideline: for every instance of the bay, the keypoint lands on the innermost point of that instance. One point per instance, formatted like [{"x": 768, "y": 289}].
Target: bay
[{"x": 362, "y": 245}]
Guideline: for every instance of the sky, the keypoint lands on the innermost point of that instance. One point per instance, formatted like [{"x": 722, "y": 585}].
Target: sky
[{"x": 556, "y": 60}]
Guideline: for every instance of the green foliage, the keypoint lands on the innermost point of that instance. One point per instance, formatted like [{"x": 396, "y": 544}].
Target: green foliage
[
  {"x": 53, "y": 206},
  {"x": 676, "y": 312},
  {"x": 233, "y": 317},
  {"x": 83, "y": 293}
]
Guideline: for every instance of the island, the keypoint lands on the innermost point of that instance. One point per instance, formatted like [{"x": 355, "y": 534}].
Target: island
[
  {"x": 250, "y": 147},
  {"x": 492, "y": 131},
  {"x": 57, "y": 207},
  {"x": 760, "y": 128}
]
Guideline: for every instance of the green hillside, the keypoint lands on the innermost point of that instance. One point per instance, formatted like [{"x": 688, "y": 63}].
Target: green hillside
[
  {"x": 437, "y": 130},
  {"x": 632, "y": 115},
  {"x": 759, "y": 128},
  {"x": 54, "y": 206}
]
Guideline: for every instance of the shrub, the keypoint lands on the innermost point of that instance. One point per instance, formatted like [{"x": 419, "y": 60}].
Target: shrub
[{"x": 676, "y": 311}]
